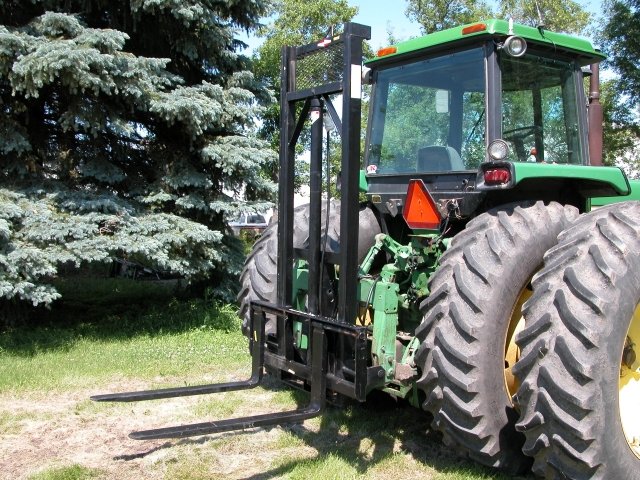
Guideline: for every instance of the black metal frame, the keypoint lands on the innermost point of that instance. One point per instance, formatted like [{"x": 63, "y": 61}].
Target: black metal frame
[
  {"x": 290, "y": 128},
  {"x": 327, "y": 336},
  {"x": 350, "y": 343}
]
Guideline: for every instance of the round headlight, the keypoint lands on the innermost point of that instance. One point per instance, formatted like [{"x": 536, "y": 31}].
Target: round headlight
[
  {"x": 498, "y": 150},
  {"x": 515, "y": 46}
]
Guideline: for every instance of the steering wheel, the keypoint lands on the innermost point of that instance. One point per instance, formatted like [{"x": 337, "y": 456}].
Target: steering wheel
[{"x": 517, "y": 137}]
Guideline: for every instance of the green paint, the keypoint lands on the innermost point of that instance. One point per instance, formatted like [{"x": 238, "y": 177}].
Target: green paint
[
  {"x": 409, "y": 389},
  {"x": 300, "y": 340},
  {"x": 385, "y": 323},
  {"x": 366, "y": 264},
  {"x": 300, "y": 284},
  {"x": 394, "y": 295},
  {"x": 298, "y": 300},
  {"x": 608, "y": 181},
  {"x": 634, "y": 195},
  {"x": 363, "y": 186},
  {"x": 582, "y": 49}
]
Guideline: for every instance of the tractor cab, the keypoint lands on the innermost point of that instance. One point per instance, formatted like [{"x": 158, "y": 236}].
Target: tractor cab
[{"x": 451, "y": 101}]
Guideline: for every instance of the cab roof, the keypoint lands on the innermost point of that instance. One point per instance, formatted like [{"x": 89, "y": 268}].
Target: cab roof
[{"x": 582, "y": 49}]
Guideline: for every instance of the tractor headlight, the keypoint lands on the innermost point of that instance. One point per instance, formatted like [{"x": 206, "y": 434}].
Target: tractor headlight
[
  {"x": 515, "y": 46},
  {"x": 498, "y": 150}
]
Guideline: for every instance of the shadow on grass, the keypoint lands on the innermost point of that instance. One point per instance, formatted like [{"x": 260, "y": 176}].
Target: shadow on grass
[
  {"x": 381, "y": 423},
  {"x": 383, "y": 426},
  {"x": 113, "y": 309}
]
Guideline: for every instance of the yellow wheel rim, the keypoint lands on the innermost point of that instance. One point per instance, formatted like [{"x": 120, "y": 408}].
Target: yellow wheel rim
[
  {"x": 511, "y": 350},
  {"x": 629, "y": 384}
]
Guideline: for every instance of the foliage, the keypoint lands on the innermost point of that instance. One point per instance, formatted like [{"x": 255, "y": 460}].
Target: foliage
[
  {"x": 297, "y": 22},
  {"x": 559, "y": 16},
  {"x": 565, "y": 15},
  {"x": 621, "y": 136},
  {"x": 621, "y": 42},
  {"x": 620, "y": 96},
  {"x": 440, "y": 14},
  {"x": 127, "y": 129}
]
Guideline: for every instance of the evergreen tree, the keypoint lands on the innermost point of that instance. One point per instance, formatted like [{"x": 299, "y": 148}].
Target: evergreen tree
[{"x": 127, "y": 130}]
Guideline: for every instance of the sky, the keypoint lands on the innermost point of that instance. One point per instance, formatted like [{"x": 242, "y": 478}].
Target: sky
[{"x": 384, "y": 15}]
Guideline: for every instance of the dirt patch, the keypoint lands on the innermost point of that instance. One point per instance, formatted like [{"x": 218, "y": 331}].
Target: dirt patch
[{"x": 62, "y": 429}]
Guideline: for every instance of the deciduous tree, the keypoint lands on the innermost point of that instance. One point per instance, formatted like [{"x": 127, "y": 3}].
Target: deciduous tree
[
  {"x": 564, "y": 15},
  {"x": 559, "y": 16},
  {"x": 621, "y": 142},
  {"x": 620, "y": 39},
  {"x": 621, "y": 42},
  {"x": 440, "y": 14}
]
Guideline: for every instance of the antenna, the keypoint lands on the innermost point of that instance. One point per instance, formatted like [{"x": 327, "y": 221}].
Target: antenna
[{"x": 540, "y": 25}]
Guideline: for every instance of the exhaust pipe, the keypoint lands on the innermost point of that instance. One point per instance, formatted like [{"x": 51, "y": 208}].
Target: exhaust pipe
[{"x": 595, "y": 117}]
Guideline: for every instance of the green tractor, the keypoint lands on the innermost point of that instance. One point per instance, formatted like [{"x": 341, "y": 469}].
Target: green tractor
[{"x": 464, "y": 268}]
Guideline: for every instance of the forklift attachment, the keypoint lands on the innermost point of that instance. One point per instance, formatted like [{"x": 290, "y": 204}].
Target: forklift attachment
[
  {"x": 254, "y": 380},
  {"x": 325, "y": 353},
  {"x": 316, "y": 404}
]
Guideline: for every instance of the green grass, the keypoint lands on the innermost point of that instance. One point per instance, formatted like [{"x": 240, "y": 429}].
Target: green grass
[
  {"x": 73, "y": 472},
  {"x": 132, "y": 331},
  {"x": 376, "y": 440},
  {"x": 110, "y": 331}
]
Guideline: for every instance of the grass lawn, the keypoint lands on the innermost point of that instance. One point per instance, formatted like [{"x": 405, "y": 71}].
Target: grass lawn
[{"x": 120, "y": 335}]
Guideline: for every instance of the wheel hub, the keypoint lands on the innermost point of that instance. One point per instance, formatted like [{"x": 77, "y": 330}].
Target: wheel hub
[
  {"x": 629, "y": 385},
  {"x": 512, "y": 352}
]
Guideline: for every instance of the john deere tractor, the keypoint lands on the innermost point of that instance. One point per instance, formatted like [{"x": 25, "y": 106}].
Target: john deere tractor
[{"x": 464, "y": 267}]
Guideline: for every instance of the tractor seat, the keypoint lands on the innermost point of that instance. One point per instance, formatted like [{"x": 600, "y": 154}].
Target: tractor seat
[{"x": 436, "y": 158}]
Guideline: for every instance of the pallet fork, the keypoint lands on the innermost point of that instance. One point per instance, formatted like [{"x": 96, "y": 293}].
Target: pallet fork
[
  {"x": 315, "y": 407},
  {"x": 322, "y": 369}
]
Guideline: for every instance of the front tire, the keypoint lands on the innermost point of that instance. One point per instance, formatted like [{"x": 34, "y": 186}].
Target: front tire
[
  {"x": 468, "y": 323},
  {"x": 579, "y": 376}
]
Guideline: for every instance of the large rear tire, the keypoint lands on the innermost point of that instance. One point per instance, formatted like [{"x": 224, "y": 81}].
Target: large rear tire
[
  {"x": 259, "y": 275},
  {"x": 580, "y": 379},
  {"x": 468, "y": 324}
]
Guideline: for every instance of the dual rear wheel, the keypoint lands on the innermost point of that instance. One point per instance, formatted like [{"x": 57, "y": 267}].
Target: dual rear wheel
[
  {"x": 469, "y": 322},
  {"x": 569, "y": 318},
  {"x": 579, "y": 373}
]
